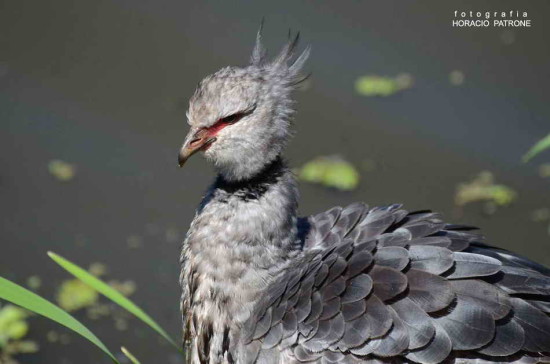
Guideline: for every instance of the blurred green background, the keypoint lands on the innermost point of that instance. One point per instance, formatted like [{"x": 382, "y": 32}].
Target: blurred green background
[{"x": 103, "y": 86}]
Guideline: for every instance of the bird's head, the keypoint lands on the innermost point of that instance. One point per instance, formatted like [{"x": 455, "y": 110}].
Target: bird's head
[{"x": 240, "y": 116}]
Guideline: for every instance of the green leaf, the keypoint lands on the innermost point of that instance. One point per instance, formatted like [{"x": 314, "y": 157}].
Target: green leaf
[
  {"x": 13, "y": 324},
  {"x": 61, "y": 170},
  {"x": 111, "y": 294},
  {"x": 483, "y": 188},
  {"x": 374, "y": 85},
  {"x": 18, "y": 295},
  {"x": 74, "y": 295},
  {"x": 540, "y": 146},
  {"x": 130, "y": 356},
  {"x": 330, "y": 171}
]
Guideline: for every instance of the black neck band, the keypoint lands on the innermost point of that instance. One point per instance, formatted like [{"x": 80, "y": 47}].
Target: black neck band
[{"x": 255, "y": 187}]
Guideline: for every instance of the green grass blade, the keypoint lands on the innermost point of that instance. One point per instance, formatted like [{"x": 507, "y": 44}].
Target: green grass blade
[
  {"x": 111, "y": 294},
  {"x": 540, "y": 146},
  {"x": 20, "y": 296},
  {"x": 129, "y": 355}
]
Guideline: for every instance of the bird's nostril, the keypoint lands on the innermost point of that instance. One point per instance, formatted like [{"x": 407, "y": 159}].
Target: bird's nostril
[{"x": 194, "y": 142}]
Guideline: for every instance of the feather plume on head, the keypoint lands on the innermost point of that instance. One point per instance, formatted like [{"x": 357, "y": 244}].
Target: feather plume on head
[{"x": 282, "y": 66}]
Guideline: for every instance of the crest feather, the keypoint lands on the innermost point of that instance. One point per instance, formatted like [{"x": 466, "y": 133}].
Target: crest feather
[
  {"x": 283, "y": 66},
  {"x": 259, "y": 52},
  {"x": 288, "y": 50}
]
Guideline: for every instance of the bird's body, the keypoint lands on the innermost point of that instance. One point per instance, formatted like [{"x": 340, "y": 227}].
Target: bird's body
[
  {"x": 243, "y": 236},
  {"x": 349, "y": 285}
]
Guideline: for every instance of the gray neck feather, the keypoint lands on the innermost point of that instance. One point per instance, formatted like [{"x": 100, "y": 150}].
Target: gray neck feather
[{"x": 243, "y": 235}]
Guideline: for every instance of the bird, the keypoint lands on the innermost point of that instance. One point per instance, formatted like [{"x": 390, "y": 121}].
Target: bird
[{"x": 354, "y": 284}]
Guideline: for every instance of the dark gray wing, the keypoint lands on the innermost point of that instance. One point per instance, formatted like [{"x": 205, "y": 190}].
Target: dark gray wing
[{"x": 385, "y": 285}]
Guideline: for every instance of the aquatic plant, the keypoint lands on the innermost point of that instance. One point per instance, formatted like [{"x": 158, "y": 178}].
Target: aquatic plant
[
  {"x": 61, "y": 170},
  {"x": 85, "y": 287},
  {"x": 483, "y": 188},
  {"x": 332, "y": 171},
  {"x": 20, "y": 296},
  {"x": 373, "y": 85},
  {"x": 537, "y": 148},
  {"x": 13, "y": 329}
]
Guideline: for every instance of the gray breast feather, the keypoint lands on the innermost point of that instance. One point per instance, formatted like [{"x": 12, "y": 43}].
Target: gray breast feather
[{"x": 382, "y": 284}]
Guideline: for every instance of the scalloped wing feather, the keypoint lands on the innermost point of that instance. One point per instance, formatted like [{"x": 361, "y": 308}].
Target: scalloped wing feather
[{"x": 381, "y": 285}]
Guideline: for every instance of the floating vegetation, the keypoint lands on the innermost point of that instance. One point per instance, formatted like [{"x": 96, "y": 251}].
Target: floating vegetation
[
  {"x": 542, "y": 215},
  {"x": 101, "y": 310},
  {"x": 330, "y": 171},
  {"x": 121, "y": 324},
  {"x": 127, "y": 288},
  {"x": 61, "y": 170},
  {"x": 97, "y": 311},
  {"x": 97, "y": 269},
  {"x": 74, "y": 295},
  {"x": 52, "y": 336},
  {"x": 13, "y": 328},
  {"x": 482, "y": 188},
  {"x": 23, "y": 297},
  {"x": 456, "y": 77},
  {"x": 134, "y": 242},
  {"x": 111, "y": 293},
  {"x": 539, "y": 147},
  {"x": 373, "y": 85},
  {"x": 55, "y": 337},
  {"x": 34, "y": 282},
  {"x": 544, "y": 170}
]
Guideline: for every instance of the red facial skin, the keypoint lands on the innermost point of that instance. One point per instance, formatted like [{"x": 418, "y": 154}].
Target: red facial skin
[
  {"x": 212, "y": 131},
  {"x": 209, "y": 134},
  {"x": 204, "y": 137},
  {"x": 215, "y": 129}
]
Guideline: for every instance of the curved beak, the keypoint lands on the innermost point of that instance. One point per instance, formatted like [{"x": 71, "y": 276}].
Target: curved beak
[{"x": 195, "y": 141}]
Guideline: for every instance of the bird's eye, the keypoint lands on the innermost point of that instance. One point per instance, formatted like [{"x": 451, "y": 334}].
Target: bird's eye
[
  {"x": 229, "y": 120},
  {"x": 232, "y": 119}
]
